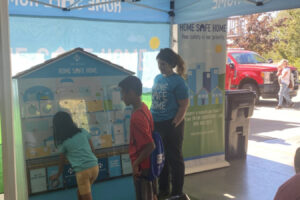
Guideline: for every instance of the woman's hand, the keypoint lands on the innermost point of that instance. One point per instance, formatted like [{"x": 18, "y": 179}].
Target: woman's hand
[
  {"x": 183, "y": 105},
  {"x": 176, "y": 121},
  {"x": 136, "y": 170}
]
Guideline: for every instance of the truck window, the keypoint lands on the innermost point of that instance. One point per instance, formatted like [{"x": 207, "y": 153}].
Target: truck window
[
  {"x": 248, "y": 58},
  {"x": 229, "y": 60}
]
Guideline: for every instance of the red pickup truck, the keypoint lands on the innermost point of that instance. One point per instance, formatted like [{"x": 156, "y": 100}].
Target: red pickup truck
[{"x": 248, "y": 70}]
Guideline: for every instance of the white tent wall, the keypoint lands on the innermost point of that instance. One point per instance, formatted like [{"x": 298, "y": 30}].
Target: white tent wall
[
  {"x": 9, "y": 149},
  {"x": 186, "y": 11}
]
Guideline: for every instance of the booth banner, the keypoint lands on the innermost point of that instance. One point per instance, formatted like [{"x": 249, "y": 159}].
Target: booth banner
[
  {"x": 203, "y": 48},
  {"x": 35, "y": 40}
]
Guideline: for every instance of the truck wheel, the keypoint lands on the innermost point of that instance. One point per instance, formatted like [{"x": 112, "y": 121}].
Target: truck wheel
[{"x": 252, "y": 87}]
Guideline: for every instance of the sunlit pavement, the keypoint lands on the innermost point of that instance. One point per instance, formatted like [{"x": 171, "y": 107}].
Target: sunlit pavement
[{"x": 275, "y": 134}]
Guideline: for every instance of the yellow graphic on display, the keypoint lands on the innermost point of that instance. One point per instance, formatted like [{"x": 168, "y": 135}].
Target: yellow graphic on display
[
  {"x": 219, "y": 48},
  {"x": 106, "y": 141},
  {"x": 36, "y": 152},
  {"x": 154, "y": 43},
  {"x": 94, "y": 106}
]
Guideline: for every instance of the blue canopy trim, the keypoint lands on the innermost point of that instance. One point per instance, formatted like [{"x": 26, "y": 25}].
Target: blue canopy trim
[
  {"x": 114, "y": 10},
  {"x": 190, "y": 11}
]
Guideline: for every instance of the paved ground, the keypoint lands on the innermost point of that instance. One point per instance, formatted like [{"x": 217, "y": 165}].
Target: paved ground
[
  {"x": 273, "y": 138},
  {"x": 275, "y": 134}
]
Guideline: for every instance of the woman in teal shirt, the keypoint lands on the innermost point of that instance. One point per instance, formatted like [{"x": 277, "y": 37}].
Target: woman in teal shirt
[
  {"x": 76, "y": 145},
  {"x": 169, "y": 104}
]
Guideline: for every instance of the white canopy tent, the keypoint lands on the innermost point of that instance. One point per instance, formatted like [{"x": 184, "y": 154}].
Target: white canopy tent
[{"x": 163, "y": 11}]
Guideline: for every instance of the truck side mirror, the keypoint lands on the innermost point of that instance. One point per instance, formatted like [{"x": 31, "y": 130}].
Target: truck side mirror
[
  {"x": 231, "y": 65},
  {"x": 270, "y": 60}
]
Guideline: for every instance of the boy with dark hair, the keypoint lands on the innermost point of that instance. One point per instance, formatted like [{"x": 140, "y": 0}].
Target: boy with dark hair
[
  {"x": 141, "y": 142},
  {"x": 290, "y": 189}
]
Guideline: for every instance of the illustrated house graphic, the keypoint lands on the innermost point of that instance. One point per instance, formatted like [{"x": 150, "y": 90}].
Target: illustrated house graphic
[
  {"x": 195, "y": 77},
  {"x": 191, "y": 97},
  {"x": 199, "y": 76},
  {"x": 203, "y": 97},
  {"x": 78, "y": 82},
  {"x": 192, "y": 80},
  {"x": 216, "y": 96},
  {"x": 214, "y": 74},
  {"x": 206, "y": 81}
]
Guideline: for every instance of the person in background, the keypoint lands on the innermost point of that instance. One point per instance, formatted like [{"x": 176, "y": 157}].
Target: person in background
[
  {"x": 75, "y": 144},
  {"x": 290, "y": 189},
  {"x": 169, "y": 104},
  {"x": 284, "y": 74},
  {"x": 141, "y": 142}
]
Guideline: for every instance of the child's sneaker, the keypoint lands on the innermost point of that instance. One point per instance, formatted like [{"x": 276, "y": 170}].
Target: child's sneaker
[{"x": 179, "y": 197}]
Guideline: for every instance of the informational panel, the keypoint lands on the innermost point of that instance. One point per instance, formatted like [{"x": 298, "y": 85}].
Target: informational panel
[
  {"x": 54, "y": 184},
  {"x": 94, "y": 105},
  {"x": 82, "y": 85},
  {"x": 38, "y": 180},
  {"x": 203, "y": 48},
  {"x": 86, "y": 87},
  {"x": 126, "y": 164}
]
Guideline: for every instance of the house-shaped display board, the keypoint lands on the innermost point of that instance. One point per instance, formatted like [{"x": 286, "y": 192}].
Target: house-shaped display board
[{"x": 82, "y": 84}]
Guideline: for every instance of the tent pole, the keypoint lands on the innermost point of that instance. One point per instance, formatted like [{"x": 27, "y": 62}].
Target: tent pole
[
  {"x": 171, "y": 32},
  {"x": 6, "y": 111},
  {"x": 172, "y": 14}
]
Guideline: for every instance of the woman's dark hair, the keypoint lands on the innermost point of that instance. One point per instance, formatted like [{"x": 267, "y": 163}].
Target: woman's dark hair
[
  {"x": 63, "y": 127},
  {"x": 132, "y": 83},
  {"x": 173, "y": 59}
]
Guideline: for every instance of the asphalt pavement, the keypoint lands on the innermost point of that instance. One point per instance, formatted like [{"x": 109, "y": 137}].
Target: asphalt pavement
[{"x": 275, "y": 134}]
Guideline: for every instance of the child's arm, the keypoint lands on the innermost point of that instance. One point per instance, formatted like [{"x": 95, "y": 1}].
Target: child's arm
[
  {"x": 145, "y": 153},
  {"x": 279, "y": 71},
  {"x": 92, "y": 146},
  {"x": 62, "y": 159}
]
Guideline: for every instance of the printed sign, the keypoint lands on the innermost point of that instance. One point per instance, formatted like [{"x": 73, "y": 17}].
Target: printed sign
[{"x": 203, "y": 48}]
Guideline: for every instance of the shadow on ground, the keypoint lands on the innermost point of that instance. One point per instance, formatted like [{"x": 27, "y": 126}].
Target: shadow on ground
[
  {"x": 254, "y": 178},
  {"x": 265, "y": 125},
  {"x": 274, "y": 103}
]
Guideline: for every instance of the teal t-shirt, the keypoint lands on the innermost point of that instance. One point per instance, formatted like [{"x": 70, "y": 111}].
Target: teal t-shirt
[
  {"x": 166, "y": 92},
  {"x": 78, "y": 151}
]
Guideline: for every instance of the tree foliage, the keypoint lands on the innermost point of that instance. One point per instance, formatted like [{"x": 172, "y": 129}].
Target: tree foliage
[
  {"x": 288, "y": 46},
  {"x": 256, "y": 33},
  {"x": 273, "y": 36}
]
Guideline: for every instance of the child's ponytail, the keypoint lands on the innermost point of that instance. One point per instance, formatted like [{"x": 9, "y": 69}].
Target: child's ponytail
[
  {"x": 180, "y": 66},
  {"x": 173, "y": 59}
]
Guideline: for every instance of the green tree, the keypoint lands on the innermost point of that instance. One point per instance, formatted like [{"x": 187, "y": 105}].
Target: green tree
[
  {"x": 288, "y": 36},
  {"x": 255, "y": 34}
]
